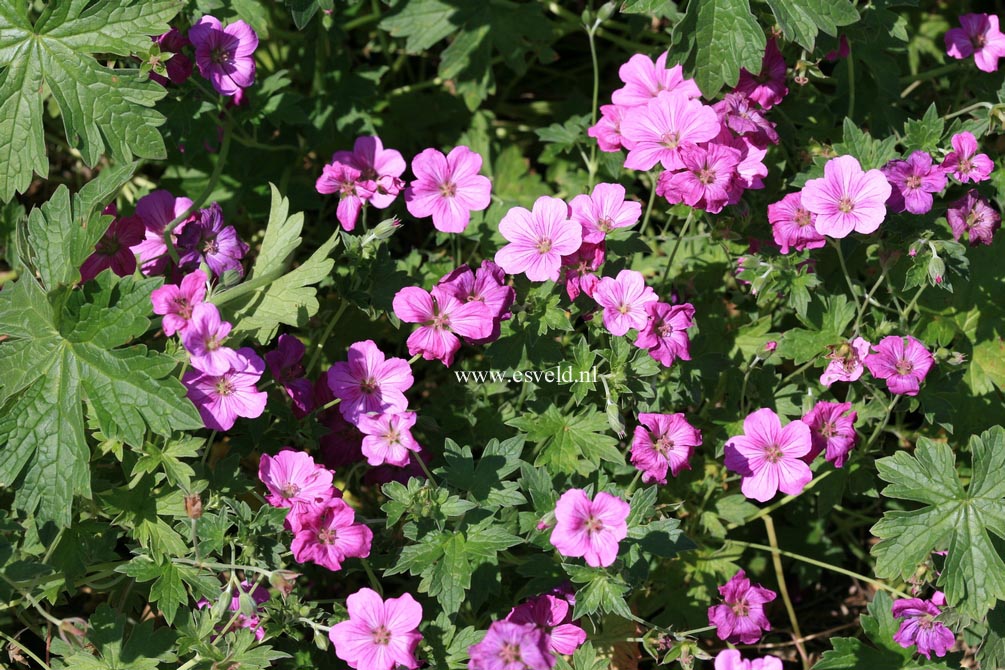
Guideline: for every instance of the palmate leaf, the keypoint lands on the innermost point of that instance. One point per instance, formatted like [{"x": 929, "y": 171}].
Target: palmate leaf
[
  {"x": 955, "y": 518},
  {"x": 726, "y": 38},
  {"x": 65, "y": 348},
  {"x": 801, "y": 19},
  {"x": 103, "y": 109}
]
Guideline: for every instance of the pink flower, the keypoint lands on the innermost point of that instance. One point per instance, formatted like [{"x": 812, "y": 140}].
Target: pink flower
[
  {"x": 663, "y": 442},
  {"x": 915, "y": 180},
  {"x": 604, "y": 210},
  {"x": 706, "y": 177},
  {"x": 730, "y": 659},
  {"x": 657, "y": 132},
  {"x": 294, "y": 479},
  {"x": 591, "y": 529},
  {"x": 553, "y": 616},
  {"x": 486, "y": 285},
  {"x": 832, "y": 429},
  {"x": 285, "y": 365},
  {"x": 328, "y": 535},
  {"x": 579, "y": 269},
  {"x": 225, "y": 56},
  {"x": 767, "y": 88},
  {"x": 846, "y": 362},
  {"x": 369, "y": 382},
  {"x": 388, "y": 438},
  {"x": 846, "y": 198},
  {"x": 207, "y": 240},
  {"x": 979, "y": 37},
  {"x": 157, "y": 210},
  {"x": 973, "y": 215},
  {"x": 792, "y": 225},
  {"x": 538, "y": 239},
  {"x": 919, "y": 627},
  {"x": 220, "y": 399},
  {"x": 624, "y": 301},
  {"x": 176, "y": 303},
  {"x": 258, "y": 595},
  {"x": 645, "y": 80},
  {"x": 380, "y": 634},
  {"x": 114, "y": 249},
  {"x": 179, "y": 66},
  {"x": 742, "y": 118},
  {"x": 607, "y": 131},
  {"x": 902, "y": 361},
  {"x": 448, "y": 188},
  {"x": 665, "y": 333},
  {"x": 768, "y": 457},
  {"x": 203, "y": 339},
  {"x": 380, "y": 169},
  {"x": 442, "y": 317},
  {"x": 964, "y": 162},
  {"x": 740, "y": 619},
  {"x": 511, "y": 646},
  {"x": 344, "y": 180}
]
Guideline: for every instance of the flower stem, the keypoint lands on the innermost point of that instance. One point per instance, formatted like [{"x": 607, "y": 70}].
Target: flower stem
[
  {"x": 222, "y": 566},
  {"x": 769, "y": 525},
  {"x": 676, "y": 246},
  {"x": 25, "y": 650},
  {"x": 592, "y": 165},
  {"x": 374, "y": 582},
  {"x": 844, "y": 270},
  {"x": 914, "y": 302},
  {"x": 320, "y": 345},
  {"x": 781, "y": 503},
  {"x": 868, "y": 299}
]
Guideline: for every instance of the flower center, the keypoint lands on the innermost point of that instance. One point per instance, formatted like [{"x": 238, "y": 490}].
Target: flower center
[
  {"x": 393, "y": 436},
  {"x": 107, "y": 246},
  {"x": 904, "y": 366},
  {"x": 289, "y": 490},
  {"x": 772, "y": 454},
  {"x": 368, "y": 385},
  {"x": 740, "y": 608},
  {"x": 706, "y": 176},
  {"x": 664, "y": 329},
  {"x": 624, "y": 308},
  {"x": 183, "y": 308},
  {"x": 223, "y": 387},
  {"x": 544, "y": 245},
  {"x": 670, "y": 140},
  {"x": 664, "y": 444},
  {"x": 347, "y": 188},
  {"x": 219, "y": 56},
  {"x": 327, "y": 535},
  {"x": 212, "y": 343},
  {"x": 381, "y": 636},
  {"x": 913, "y": 182},
  {"x": 845, "y": 204},
  {"x": 448, "y": 189},
  {"x": 592, "y": 524},
  {"x": 802, "y": 218},
  {"x": 965, "y": 166},
  {"x": 210, "y": 247},
  {"x": 510, "y": 653},
  {"x": 829, "y": 429},
  {"x": 441, "y": 322},
  {"x": 605, "y": 224}
]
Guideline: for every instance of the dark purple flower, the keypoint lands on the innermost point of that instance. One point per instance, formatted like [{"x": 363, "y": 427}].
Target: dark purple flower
[
  {"x": 225, "y": 56},
  {"x": 285, "y": 365},
  {"x": 767, "y": 88},
  {"x": 832, "y": 429},
  {"x": 914, "y": 181},
  {"x": 919, "y": 627},
  {"x": 114, "y": 250},
  {"x": 736, "y": 113},
  {"x": 207, "y": 240},
  {"x": 740, "y": 619},
  {"x": 974, "y": 216},
  {"x": 179, "y": 66}
]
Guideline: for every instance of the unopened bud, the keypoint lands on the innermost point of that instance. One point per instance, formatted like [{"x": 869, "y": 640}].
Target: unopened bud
[
  {"x": 193, "y": 506},
  {"x": 284, "y": 581}
]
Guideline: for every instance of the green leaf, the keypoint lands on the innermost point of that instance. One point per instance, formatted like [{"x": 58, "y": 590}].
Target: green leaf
[
  {"x": 953, "y": 517},
  {"x": 168, "y": 591},
  {"x": 304, "y": 10},
  {"x": 103, "y": 109},
  {"x": 268, "y": 298},
  {"x": 570, "y": 443},
  {"x": 871, "y": 153},
  {"x": 800, "y": 20},
  {"x": 727, "y": 37},
  {"x": 168, "y": 458},
  {"x": 926, "y": 134},
  {"x": 144, "y": 649},
  {"x": 603, "y": 592},
  {"x": 649, "y": 7},
  {"x": 986, "y": 369}
]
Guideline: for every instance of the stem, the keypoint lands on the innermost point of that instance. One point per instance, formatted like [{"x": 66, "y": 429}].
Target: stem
[
  {"x": 763, "y": 513},
  {"x": 425, "y": 470},
  {"x": 676, "y": 246},
  {"x": 631, "y": 487},
  {"x": 652, "y": 199},
  {"x": 222, "y": 566},
  {"x": 190, "y": 664},
  {"x": 868, "y": 299},
  {"x": 208, "y": 448},
  {"x": 316, "y": 356},
  {"x": 695, "y": 631},
  {"x": 28, "y": 652},
  {"x": 592, "y": 167},
  {"x": 34, "y": 603},
  {"x": 851, "y": 96},
  {"x": 411, "y": 361},
  {"x": 914, "y": 302},
  {"x": 882, "y": 424},
  {"x": 844, "y": 270},
  {"x": 313, "y": 624},
  {"x": 769, "y": 525},
  {"x": 948, "y": 68},
  {"x": 374, "y": 582}
]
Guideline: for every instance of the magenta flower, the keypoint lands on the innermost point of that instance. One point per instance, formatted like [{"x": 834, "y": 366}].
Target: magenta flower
[
  {"x": 915, "y": 180},
  {"x": 769, "y": 457},
  {"x": 388, "y": 438},
  {"x": 979, "y": 37},
  {"x": 768, "y": 87},
  {"x": 286, "y": 368},
  {"x": 344, "y": 180},
  {"x": 742, "y": 118},
  {"x": 179, "y": 66},
  {"x": 663, "y": 442},
  {"x": 203, "y": 339},
  {"x": 258, "y": 596},
  {"x": 369, "y": 382},
  {"x": 604, "y": 210},
  {"x": 380, "y": 169},
  {"x": 294, "y": 479},
  {"x": 644, "y": 80},
  {"x": 973, "y": 215},
  {"x": 448, "y": 188},
  {"x": 607, "y": 130},
  {"x": 486, "y": 285},
  {"x": 902, "y": 361},
  {"x": 964, "y": 162},
  {"x": 175, "y": 303},
  {"x": 792, "y": 225},
  {"x": 207, "y": 240},
  {"x": 657, "y": 132},
  {"x": 741, "y": 619},
  {"x": 706, "y": 177},
  {"x": 591, "y": 529},
  {"x": 225, "y": 56},
  {"x": 665, "y": 333},
  {"x": 511, "y": 646},
  {"x": 114, "y": 249},
  {"x": 846, "y": 362},
  {"x": 579, "y": 269},
  {"x": 538, "y": 240},
  {"x": 730, "y": 659},
  {"x": 220, "y": 399},
  {"x": 846, "y": 198},
  {"x": 328, "y": 535},
  {"x": 157, "y": 209},
  {"x": 624, "y": 301},
  {"x": 380, "y": 634},
  {"x": 832, "y": 429},
  {"x": 553, "y": 616},
  {"x": 442, "y": 318},
  {"x": 919, "y": 627}
]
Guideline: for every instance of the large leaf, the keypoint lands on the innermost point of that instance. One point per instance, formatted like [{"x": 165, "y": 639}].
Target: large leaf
[
  {"x": 103, "y": 109},
  {"x": 953, "y": 517},
  {"x": 801, "y": 19},
  {"x": 727, "y": 37}
]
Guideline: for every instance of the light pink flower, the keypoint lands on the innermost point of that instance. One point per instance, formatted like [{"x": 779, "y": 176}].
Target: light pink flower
[
  {"x": 380, "y": 169},
  {"x": 705, "y": 179},
  {"x": 740, "y": 619},
  {"x": 964, "y": 162},
  {"x": 846, "y": 198},
  {"x": 792, "y": 225},
  {"x": 914, "y": 181},
  {"x": 388, "y": 438},
  {"x": 448, "y": 188},
  {"x": 345, "y": 180},
  {"x": 918, "y": 626},
  {"x": 975, "y": 216},
  {"x": 645, "y": 80},
  {"x": 590, "y": 528},
  {"x": 607, "y": 130},
  {"x": 832, "y": 429},
  {"x": 204, "y": 338},
  {"x": 902, "y": 361},
  {"x": 114, "y": 249},
  {"x": 486, "y": 285},
  {"x": 175, "y": 303},
  {"x": 665, "y": 333},
  {"x": 538, "y": 239},
  {"x": 979, "y": 37},
  {"x": 657, "y": 132},
  {"x": 604, "y": 210},
  {"x": 157, "y": 209},
  {"x": 553, "y": 616},
  {"x": 730, "y": 659},
  {"x": 225, "y": 56},
  {"x": 768, "y": 87},
  {"x": 624, "y": 301},
  {"x": 327, "y": 535},
  {"x": 369, "y": 382},
  {"x": 380, "y": 634},
  {"x": 768, "y": 457},
  {"x": 442, "y": 317},
  {"x": 663, "y": 442},
  {"x": 220, "y": 399},
  {"x": 294, "y": 479},
  {"x": 511, "y": 646},
  {"x": 846, "y": 362}
]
